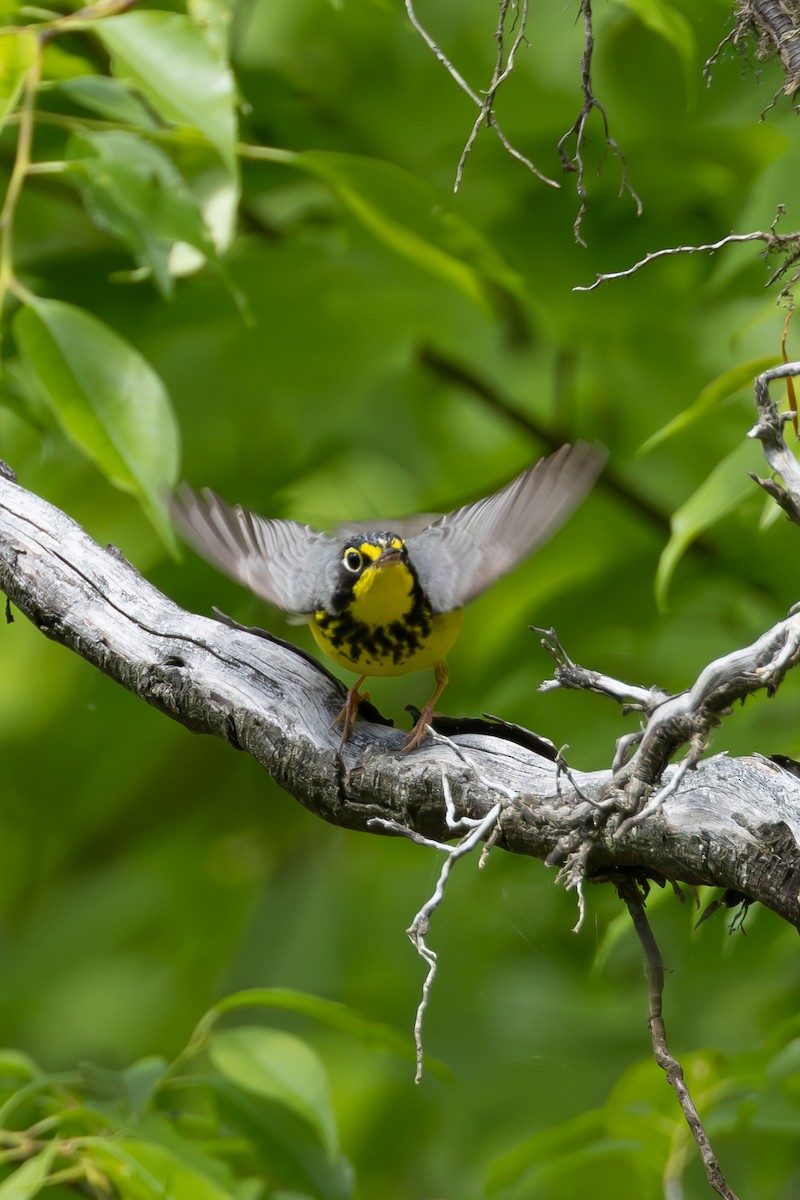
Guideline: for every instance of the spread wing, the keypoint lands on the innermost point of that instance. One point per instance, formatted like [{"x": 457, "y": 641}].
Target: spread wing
[
  {"x": 463, "y": 553},
  {"x": 281, "y": 561}
]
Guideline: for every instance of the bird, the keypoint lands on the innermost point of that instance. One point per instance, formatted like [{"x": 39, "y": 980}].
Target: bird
[{"x": 387, "y": 598}]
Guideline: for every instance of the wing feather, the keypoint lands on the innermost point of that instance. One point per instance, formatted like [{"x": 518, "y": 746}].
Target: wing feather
[
  {"x": 281, "y": 561},
  {"x": 463, "y": 553}
]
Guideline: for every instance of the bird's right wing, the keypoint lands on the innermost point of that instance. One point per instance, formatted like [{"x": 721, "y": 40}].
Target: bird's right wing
[{"x": 281, "y": 561}]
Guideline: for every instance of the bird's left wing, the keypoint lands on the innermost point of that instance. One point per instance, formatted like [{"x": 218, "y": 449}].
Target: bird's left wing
[
  {"x": 463, "y": 553},
  {"x": 281, "y": 561}
]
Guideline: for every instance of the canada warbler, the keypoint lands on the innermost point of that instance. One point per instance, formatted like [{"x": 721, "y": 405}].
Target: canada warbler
[{"x": 389, "y": 602}]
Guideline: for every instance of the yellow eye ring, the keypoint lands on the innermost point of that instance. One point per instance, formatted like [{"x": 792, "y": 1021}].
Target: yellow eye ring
[{"x": 352, "y": 560}]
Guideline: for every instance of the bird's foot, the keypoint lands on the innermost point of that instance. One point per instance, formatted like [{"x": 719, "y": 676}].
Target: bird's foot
[
  {"x": 420, "y": 730},
  {"x": 349, "y": 711}
]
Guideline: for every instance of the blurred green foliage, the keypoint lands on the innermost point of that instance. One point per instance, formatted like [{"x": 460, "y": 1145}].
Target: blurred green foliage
[{"x": 359, "y": 341}]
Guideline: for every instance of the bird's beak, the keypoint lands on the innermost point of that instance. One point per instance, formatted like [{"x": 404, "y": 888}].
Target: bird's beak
[{"x": 388, "y": 558}]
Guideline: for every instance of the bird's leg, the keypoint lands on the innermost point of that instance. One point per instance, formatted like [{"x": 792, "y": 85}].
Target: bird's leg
[
  {"x": 349, "y": 710},
  {"x": 420, "y": 731}
]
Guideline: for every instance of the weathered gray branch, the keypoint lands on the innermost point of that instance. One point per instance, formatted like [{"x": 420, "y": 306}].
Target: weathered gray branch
[
  {"x": 733, "y": 823},
  {"x": 777, "y": 23}
]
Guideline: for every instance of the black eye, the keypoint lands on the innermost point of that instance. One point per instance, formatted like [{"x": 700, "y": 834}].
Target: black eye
[{"x": 352, "y": 560}]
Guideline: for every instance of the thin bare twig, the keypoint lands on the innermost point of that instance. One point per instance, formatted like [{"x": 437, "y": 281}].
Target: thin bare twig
[
  {"x": 711, "y": 61},
  {"x": 485, "y": 829},
  {"x": 634, "y": 900},
  {"x": 575, "y": 162},
  {"x": 780, "y": 243},
  {"x": 504, "y": 66},
  {"x": 418, "y": 929}
]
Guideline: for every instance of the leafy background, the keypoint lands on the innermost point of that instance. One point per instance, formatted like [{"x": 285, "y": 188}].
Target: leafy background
[{"x": 360, "y": 341}]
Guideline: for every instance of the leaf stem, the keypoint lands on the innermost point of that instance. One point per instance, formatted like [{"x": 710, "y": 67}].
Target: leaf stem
[{"x": 19, "y": 172}]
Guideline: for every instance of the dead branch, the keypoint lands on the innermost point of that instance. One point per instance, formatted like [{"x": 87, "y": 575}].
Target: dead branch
[
  {"x": 768, "y": 430},
  {"x": 776, "y": 25},
  {"x": 731, "y": 823}
]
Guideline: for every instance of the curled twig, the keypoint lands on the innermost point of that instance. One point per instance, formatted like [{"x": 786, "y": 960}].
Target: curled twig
[{"x": 486, "y": 829}]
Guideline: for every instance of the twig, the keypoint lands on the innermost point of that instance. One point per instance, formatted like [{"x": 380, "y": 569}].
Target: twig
[
  {"x": 785, "y": 243},
  {"x": 480, "y": 829},
  {"x": 569, "y": 675},
  {"x": 578, "y": 130},
  {"x": 418, "y": 929},
  {"x": 504, "y": 66},
  {"x": 711, "y": 61},
  {"x": 634, "y": 901}
]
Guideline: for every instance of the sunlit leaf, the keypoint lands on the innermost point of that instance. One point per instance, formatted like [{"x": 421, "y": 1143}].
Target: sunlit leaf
[
  {"x": 664, "y": 19},
  {"x": 169, "y": 60},
  {"x": 29, "y": 1179},
  {"x": 217, "y": 197},
  {"x": 279, "y": 1067},
  {"x": 18, "y": 51},
  {"x": 143, "y": 1170},
  {"x": 17, "y": 1065},
  {"x": 724, "y": 490},
  {"x": 713, "y": 395},
  {"x": 107, "y": 399},
  {"x": 213, "y": 18}
]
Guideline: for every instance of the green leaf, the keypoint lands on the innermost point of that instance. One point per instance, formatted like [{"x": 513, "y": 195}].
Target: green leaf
[
  {"x": 143, "y": 1170},
  {"x": 107, "y": 399},
  {"x": 217, "y": 197},
  {"x": 408, "y": 216},
  {"x": 213, "y": 18},
  {"x": 29, "y": 1179},
  {"x": 279, "y": 1067},
  {"x": 722, "y": 388},
  {"x": 285, "y": 1145},
  {"x": 15, "y": 1064},
  {"x": 544, "y": 1146},
  {"x": 341, "y": 1017},
  {"x": 133, "y": 190},
  {"x": 109, "y": 98},
  {"x": 725, "y": 489},
  {"x": 169, "y": 60},
  {"x": 18, "y": 50},
  {"x": 674, "y": 27},
  {"x": 135, "y": 1086}
]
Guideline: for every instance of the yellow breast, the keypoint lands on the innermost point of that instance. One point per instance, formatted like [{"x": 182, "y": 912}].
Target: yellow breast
[{"x": 384, "y": 630}]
